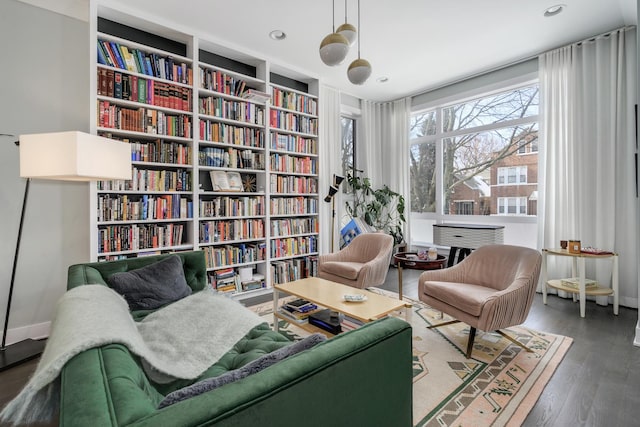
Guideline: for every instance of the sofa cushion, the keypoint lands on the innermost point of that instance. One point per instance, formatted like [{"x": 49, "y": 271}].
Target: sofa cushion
[
  {"x": 152, "y": 286},
  {"x": 348, "y": 270},
  {"x": 246, "y": 370}
]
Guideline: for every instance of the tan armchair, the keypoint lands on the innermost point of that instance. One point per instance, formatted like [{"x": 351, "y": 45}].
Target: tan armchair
[
  {"x": 491, "y": 289},
  {"x": 363, "y": 263}
]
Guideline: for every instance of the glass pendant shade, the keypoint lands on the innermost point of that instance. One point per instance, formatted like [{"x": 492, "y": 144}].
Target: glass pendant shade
[
  {"x": 334, "y": 49},
  {"x": 359, "y": 71},
  {"x": 349, "y": 32}
]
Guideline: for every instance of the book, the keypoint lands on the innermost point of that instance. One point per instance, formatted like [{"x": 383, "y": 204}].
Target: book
[
  {"x": 235, "y": 181},
  {"x": 574, "y": 282},
  {"x": 300, "y": 305},
  {"x": 219, "y": 181}
]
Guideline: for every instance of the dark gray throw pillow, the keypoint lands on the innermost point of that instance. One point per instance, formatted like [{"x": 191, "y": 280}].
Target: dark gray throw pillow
[
  {"x": 242, "y": 372},
  {"x": 153, "y": 285}
]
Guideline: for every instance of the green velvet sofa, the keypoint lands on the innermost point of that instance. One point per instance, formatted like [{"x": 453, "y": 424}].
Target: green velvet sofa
[{"x": 359, "y": 378}]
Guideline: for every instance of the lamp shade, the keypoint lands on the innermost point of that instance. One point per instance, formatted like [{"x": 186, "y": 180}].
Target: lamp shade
[
  {"x": 73, "y": 156},
  {"x": 359, "y": 71},
  {"x": 349, "y": 32},
  {"x": 333, "y": 49}
]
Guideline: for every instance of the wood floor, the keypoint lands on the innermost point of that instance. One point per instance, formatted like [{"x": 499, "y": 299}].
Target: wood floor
[{"x": 597, "y": 383}]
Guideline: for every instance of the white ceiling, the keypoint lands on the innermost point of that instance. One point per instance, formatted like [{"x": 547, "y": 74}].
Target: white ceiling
[{"x": 418, "y": 44}]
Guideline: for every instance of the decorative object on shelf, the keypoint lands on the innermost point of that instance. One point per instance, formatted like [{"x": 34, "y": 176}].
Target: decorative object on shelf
[
  {"x": 347, "y": 30},
  {"x": 249, "y": 183},
  {"x": 334, "y": 47},
  {"x": 574, "y": 246},
  {"x": 333, "y": 189},
  {"x": 64, "y": 156},
  {"x": 360, "y": 69}
]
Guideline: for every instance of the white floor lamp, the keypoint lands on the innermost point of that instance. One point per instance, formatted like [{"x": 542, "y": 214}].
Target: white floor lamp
[{"x": 64, "y": 156}]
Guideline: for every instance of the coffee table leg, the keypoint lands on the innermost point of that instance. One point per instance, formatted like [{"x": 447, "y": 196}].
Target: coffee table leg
[
  {"x": 400, "y": 280},
  {"x": 275, "y": 310}
]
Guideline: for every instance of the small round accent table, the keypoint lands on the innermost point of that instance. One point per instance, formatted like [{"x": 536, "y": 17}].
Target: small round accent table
[{"x": 412, "y": 261}]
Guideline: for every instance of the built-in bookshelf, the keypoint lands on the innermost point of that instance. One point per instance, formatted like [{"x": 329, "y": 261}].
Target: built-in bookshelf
[
  {"x": 224, "y": 156},
  {"x": 293, "y": 183}
]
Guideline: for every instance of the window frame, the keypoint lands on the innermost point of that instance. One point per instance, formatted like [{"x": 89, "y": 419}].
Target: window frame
[{"x": 438, "y": 106}]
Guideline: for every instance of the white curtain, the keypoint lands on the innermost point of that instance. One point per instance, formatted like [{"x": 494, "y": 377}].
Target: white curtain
[
  {"x": 329, "y": 162},
  {"x": 384, "y": 150},
  {"x": 587, "y": 96}
]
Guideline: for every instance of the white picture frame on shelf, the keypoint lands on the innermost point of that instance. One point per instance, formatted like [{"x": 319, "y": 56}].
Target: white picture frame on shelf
[
  {"x": 219, "y": 181},
  {"x": 235, "y": 181}
]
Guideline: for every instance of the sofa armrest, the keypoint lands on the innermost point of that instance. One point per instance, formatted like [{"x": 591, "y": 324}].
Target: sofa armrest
[
  {"x": 362, "y": 377},
  {"x": 82, "y": 274}
]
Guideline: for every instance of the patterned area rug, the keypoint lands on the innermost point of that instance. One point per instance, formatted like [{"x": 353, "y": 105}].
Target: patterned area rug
[{"x": 497, "y": 386}]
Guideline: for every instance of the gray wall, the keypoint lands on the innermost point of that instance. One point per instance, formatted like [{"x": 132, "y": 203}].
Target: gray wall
[{"x": 44, "y": 82}]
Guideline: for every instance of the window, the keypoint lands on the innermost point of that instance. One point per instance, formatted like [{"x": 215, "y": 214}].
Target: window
[
  {"x": 348, "y": 146},
  {"x": 466, "y": 158},
  {"x": 512, "y": 206},
  {"x": 512, "y": 175},
  {"x": 464, "y": 208}
]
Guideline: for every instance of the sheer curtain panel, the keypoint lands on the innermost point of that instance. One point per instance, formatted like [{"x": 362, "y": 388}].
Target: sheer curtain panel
[{"x": 588, "y": 92}]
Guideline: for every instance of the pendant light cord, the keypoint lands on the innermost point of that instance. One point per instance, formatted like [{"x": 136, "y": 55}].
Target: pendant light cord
[
  {"x": 333, "y": 15},
  {"x": 359, "y": 28}
]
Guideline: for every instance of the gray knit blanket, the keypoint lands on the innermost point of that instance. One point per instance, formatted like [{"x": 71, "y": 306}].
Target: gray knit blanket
[{"x": 180, "y": 340}]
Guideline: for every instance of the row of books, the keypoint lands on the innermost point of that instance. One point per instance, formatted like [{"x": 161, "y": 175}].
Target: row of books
[
  {"x": 230, "y": 158},
  {"x": 293, "y": 206},
  {"x": 287, "y": 227},
  {"x": 293, "y": 246},
  {"x": 138, "y": 61},
  {"x": 229, "y": 281},
  {"x": 246, "y": 112},
  {"x": 237, "y": 229},
  {"x": 293, "y": 122},
  {"x": 239, "y": 253},
  {"x": 146, "y": 91},
  {"x": 294, "y": 269},
  {"x": 127, "y": 208},
  {"x": 230, "y": 134},
  {"x": 151, "y": 180},
  {"x": 227, "y": 206},
  {"x": 294, "y": 101},
  {"x": 222, "y": 82},
  {"x": 116, "y": 238},
  {"x": 293, "y": 184},
  {"x": 155, "y": 151},
  {"x": 145, "y": 120},
  {"x": 295, "y": 143},
  {"x": 293, "y": 164}
]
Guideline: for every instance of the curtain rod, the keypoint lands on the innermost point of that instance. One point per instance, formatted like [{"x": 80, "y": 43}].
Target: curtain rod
[{"x": 518, "y": 61}]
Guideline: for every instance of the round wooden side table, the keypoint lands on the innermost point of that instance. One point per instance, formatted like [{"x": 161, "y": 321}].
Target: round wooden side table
[{"x": 412, "y": 261}]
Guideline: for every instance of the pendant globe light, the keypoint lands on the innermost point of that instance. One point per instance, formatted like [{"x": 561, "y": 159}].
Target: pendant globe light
[
  {"x": 334, "y": 47},
  {"x": 360, "y": 69},
  {"x": 347, "y": 30}
]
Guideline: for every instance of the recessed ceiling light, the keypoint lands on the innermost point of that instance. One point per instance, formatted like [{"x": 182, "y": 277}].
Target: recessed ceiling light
[
  {"x": 278, "y": 35},
  {"x": 382, "y": 79},
  {"x": 554, "y": 10}
]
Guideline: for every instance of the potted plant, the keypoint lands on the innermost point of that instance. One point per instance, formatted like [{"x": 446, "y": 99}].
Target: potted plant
[{"x": 381, "y": 208}]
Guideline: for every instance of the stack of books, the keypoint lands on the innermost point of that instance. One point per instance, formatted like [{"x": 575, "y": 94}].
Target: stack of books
[
  {"x": 225, "y": 280},
  {"x": 574, "y": 282},
  {"x": 298, "y": 310}
]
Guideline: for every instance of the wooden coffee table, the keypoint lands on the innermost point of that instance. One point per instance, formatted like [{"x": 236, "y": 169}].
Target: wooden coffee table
[{"x": 330, "y": 295}]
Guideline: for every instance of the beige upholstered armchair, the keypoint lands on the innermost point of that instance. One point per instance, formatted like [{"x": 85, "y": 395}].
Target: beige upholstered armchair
[
  {"x": 363, "y": 263},
  {"x": 491, "y": 289}
]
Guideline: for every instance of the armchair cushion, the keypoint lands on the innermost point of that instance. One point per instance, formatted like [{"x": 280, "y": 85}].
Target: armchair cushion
[
  {"x": 466, "y": 297},
  {"x": 346, "y": 269}
]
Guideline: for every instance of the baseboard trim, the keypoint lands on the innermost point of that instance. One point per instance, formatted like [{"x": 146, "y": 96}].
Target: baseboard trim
[{"x": 36, "y": 331}]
